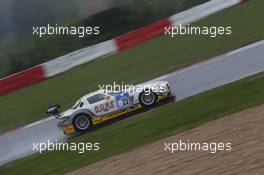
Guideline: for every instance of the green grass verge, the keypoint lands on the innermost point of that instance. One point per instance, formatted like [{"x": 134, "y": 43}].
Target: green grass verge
[
  {"x": 153, "y": 58},
  {"x": 147, "y": 127}
]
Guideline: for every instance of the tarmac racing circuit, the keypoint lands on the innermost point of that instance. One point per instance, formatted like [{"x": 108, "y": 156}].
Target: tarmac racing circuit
[{"x": 186, "y": 82}]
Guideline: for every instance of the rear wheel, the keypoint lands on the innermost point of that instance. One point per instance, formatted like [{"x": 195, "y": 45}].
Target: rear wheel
[
  {"x": 147, "y": 98},
  {"x": 82, "y": 122}
]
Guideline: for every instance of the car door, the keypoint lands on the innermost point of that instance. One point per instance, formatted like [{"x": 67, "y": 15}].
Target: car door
[
  {"x": 123, "y": 100},
  {"x": 102, "y": 104}
]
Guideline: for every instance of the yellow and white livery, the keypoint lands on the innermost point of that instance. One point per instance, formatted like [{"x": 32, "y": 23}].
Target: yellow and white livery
[{"x": 99, "y": 106}]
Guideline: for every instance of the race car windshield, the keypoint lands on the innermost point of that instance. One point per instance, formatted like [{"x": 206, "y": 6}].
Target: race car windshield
[
  {"x": 76, "y": 104},
  {"x": 96, "y": 98}
]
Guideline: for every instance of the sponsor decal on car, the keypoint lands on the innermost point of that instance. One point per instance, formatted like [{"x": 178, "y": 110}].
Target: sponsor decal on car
[
  {"x": 103, "y": 118},
  {"x": 104, "y": 106},
  {"x": 123, "y": 100}
]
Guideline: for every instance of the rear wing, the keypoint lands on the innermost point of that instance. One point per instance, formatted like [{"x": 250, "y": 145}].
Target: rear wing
[{"x": 54, "y": 110}]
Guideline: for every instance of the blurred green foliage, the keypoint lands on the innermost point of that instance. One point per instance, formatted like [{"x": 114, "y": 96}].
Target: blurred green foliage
[{"x": 21, "y": 50}]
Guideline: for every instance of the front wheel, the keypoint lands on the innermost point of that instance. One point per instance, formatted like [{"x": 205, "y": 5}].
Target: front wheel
[
  {"x": 147, "y": 98},
  {"x": 82, "y": 122}
]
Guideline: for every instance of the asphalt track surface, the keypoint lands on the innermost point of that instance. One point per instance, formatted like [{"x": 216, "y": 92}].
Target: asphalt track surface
[{"x": 185, "y": 83}]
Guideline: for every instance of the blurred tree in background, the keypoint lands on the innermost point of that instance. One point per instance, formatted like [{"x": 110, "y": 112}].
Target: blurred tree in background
[{"x": 19, "y": 49}]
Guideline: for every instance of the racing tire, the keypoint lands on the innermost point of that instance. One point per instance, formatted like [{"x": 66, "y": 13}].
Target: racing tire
[
  {"x": 148, "y": 98},
  {"x": 82, "y": 122}
]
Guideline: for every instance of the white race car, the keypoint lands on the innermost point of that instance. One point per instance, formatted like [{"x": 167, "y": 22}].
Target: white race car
[{"x": 103, "y": 105}]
